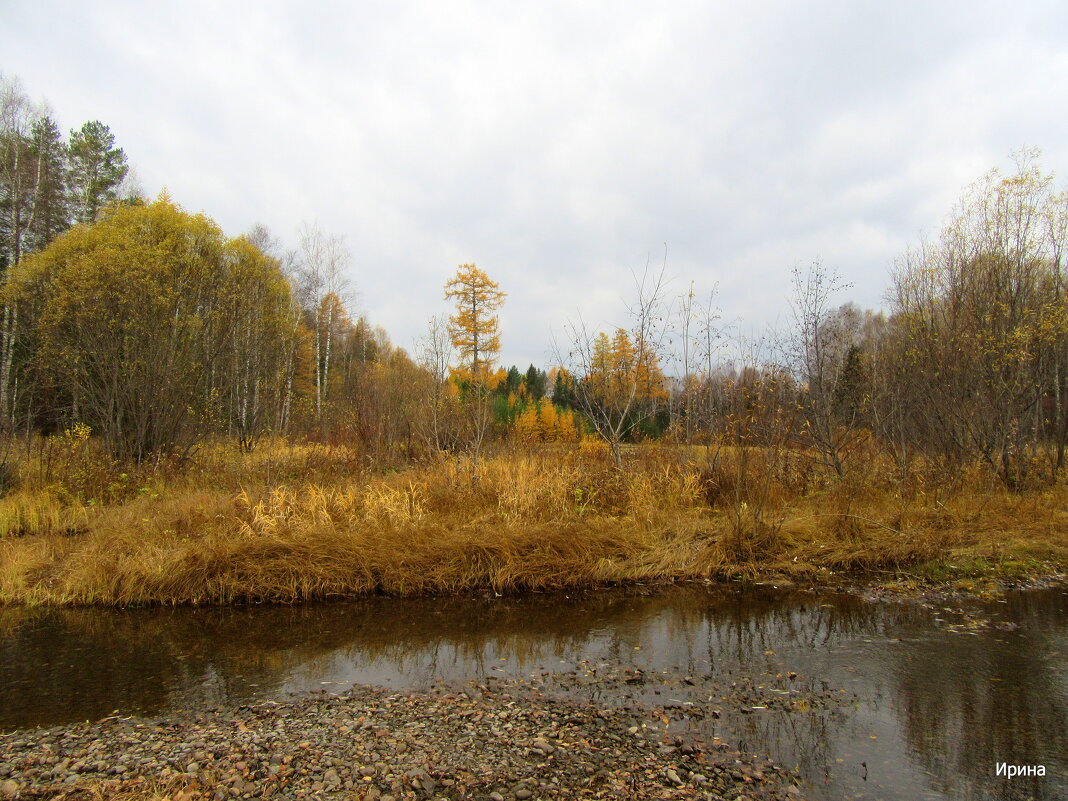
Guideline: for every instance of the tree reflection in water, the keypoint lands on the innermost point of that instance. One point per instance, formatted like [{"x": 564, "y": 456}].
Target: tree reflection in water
[
  {"x": 996, "y": 696},
  {"x": 948, "y": 706}
]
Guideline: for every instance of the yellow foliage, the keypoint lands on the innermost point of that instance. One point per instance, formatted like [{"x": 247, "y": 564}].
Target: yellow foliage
[
  {"x": 556, "y": 521},
  {"x": 474, "y": 326},
  {"x": 594, "y": 449},
  {"x": 616, "y": 370},
  {"x": 544, "y": 422},
  {"x": 177, "y": 317}
]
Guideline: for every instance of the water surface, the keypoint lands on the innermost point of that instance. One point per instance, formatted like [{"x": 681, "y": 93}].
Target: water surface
[{"x": 935, "y": 696}]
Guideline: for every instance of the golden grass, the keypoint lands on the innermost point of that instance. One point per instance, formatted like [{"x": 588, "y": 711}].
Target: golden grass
[
  {"x": 23, "y": 513},
  {"x": 248, "y": 527}
]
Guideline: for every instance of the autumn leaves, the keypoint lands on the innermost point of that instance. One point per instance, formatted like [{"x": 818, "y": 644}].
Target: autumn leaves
[{"x": 619, "y": 375}]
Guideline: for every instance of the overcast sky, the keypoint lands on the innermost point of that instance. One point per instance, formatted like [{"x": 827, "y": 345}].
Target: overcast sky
[{"x": 561, "y": 145}]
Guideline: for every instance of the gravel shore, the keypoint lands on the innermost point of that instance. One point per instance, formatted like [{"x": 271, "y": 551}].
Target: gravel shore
[{"x": 497, "y": 740}]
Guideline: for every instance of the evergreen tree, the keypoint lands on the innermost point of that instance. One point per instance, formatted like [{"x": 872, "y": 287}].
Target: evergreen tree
[
  {"x": 511, "y": 382},
  {"x": 535, "y": 381},
  {"x": 563, "y": 389},
  {"x": 51, "y": 213},
  {"x": 97, "y": 168}
]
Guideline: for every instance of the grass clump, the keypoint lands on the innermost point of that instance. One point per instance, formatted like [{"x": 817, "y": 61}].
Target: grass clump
[{"x": 294, "y": 522}]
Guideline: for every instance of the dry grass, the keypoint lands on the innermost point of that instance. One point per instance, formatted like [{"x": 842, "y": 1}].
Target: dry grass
[
  {"x": 24, "y": 513},
  {"x": 240, "y": 527}
]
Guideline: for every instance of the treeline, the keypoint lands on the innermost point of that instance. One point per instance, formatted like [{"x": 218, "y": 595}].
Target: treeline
[
  {"x": 968, "y": 366},
  {"x": 153, "y": 328},
  {"x": 49, "y": 182}
]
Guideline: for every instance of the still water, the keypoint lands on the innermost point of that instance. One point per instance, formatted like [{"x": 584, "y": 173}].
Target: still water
[{"x": 935, "y": 696}]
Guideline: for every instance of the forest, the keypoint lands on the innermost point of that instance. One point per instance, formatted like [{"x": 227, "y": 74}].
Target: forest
[{"x": 190, "y": 417}]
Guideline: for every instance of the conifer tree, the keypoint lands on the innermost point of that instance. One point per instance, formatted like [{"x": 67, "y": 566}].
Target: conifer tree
[
  {"x": 51, "y": 213},
  {"x": 97, "y": 168},
  {"x": 474, "y": 326}
]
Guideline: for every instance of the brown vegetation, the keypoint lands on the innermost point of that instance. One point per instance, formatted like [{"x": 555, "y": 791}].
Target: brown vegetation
[
  {"x": 228, "y": 529},
  {"x": 187, "y": 417}
]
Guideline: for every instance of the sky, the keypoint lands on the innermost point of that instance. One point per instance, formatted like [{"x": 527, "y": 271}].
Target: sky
[{"x": 563, "y": 146}]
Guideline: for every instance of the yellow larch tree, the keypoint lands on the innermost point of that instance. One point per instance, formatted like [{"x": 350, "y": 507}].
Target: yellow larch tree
[
  {"x": 474, "y": 326},
  {"x": 542, "y": 421}
]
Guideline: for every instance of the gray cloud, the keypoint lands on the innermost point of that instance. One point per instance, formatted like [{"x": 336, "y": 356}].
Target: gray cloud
[{"x": 557, "y": 147}]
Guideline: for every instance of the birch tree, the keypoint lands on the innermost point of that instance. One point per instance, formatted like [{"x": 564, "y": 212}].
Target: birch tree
[
  {"x": 262, "y": 345},
  {"x": 818, "y": 350},
  {"x": 439, "y": 421},
  {"x": 32, "y": 206},
  {"x": 323, "y": 262}
]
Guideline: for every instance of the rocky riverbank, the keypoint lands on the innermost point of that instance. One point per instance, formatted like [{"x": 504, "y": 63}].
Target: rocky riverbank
[{"x": 495, "y": 740}]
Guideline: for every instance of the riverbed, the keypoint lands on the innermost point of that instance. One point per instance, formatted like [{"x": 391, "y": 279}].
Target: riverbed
[{"x": 888, "y": 700}]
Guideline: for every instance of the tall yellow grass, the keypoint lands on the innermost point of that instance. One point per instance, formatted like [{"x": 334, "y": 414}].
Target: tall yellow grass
[{"x": 256, "y": 527}]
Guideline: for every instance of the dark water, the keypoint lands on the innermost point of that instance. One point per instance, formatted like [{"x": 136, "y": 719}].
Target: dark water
[{"x": 937, "y": 695}]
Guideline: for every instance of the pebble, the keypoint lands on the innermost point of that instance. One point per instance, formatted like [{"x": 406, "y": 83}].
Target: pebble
[{"x": 514, "y": 739}]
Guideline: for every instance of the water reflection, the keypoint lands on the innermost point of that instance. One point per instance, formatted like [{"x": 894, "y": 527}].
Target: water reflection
[
  {"x": 998, "y": 696},
  {"x": 939, "y": 697}
]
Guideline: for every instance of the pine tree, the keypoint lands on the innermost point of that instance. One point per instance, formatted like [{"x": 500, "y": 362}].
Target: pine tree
[
  {"x": 97, "y": 168},
  {"x": 51, "y": 213},
  {"x": 535, "y": 381}
]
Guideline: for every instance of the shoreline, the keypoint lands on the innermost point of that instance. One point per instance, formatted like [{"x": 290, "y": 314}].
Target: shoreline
[
  {"x": 873, "y": 585},
  {"x": 585, "y": 732}
]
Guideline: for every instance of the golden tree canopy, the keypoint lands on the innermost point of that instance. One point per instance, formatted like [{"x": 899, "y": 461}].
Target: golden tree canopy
[
  {"x": 474, "y": 326},
  {"x": 150, "y": 323},
  {"x": 616, "y": 370}
]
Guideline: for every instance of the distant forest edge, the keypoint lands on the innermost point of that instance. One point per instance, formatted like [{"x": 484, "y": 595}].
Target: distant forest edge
[
  {"x": 187, "y": 417},
  {"x": 150, "y": 329}
]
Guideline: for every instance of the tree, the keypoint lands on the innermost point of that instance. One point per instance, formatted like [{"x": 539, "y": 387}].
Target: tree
[
  {"x": 258, "y": 367},
  {"x": 323, "y": 260},
  {"x": 297, "y": 336},
  {"x": 439, "y": 422},
  {"x": 542, "y": 421},
  {"x": 512, "y": 382},
  {"x": 701, "y": 338},
  {"x": 148, "y": 321},
  {"x": 17, "y": 175},
  {"x": 32, "y": 206},
  {"x": 985, "y": 321},
  {"x": 614, "y": 379},
  {"x": 535, "y": 382},
  {"x": 563, "y": 387},
  {"x": 474, "y": 334},
  {"x": 474, "y": 326},
  {"x": 97, "y": 168},
  {"x": 50, "y": 214},
  {"x": 818, "y": 352}
]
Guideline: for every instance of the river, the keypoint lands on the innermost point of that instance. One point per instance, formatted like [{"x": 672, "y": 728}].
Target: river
[{"x": 928, "y": 697}]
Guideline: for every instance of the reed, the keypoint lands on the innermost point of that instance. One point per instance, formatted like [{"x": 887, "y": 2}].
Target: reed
[{"x": 240, "y": 527}]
